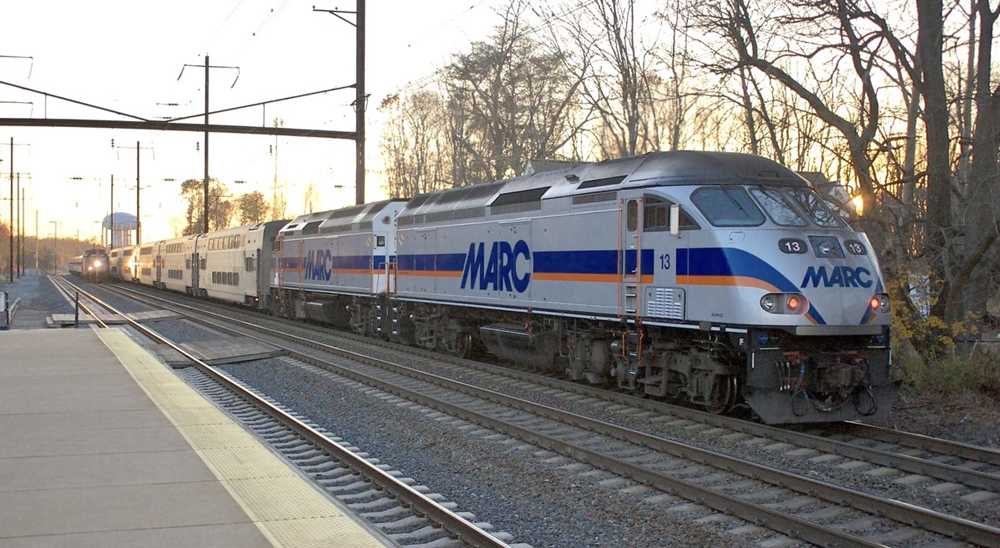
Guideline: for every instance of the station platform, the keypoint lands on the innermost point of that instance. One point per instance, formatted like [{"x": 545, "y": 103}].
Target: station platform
[{"x": 103, "y": 445}]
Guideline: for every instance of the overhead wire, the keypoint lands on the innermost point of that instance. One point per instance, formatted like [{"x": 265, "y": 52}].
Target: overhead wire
[{"x": 219, "y": 28}]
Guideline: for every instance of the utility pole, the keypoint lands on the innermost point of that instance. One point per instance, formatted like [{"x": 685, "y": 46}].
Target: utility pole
[
  {"x": 20, "y": 233},
  {"x": 207, "y": 66},
  {"x": 17, "y": 224},
  {"x": 361, "y": 97},
  {"x": 359, "y": 106},
  {"x": 55, "y": 247},
  {"x": 111, "y": 240},
  {"x": 10, "y": 273},
  {"x": 206, "y": 142},
  {"x": 138, "y": 222},
  {"x": 138, "y": 184}
]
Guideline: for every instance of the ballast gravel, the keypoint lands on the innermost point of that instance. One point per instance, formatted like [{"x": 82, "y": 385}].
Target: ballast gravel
[{"x": 502, "y": 481}]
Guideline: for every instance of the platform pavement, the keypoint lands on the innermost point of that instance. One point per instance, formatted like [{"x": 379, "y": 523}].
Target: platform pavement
[{"x": 102, "y": 445}]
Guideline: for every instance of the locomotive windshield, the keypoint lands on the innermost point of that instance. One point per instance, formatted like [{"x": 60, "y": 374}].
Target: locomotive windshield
[
  {"x": 777, "y": 207},
  {"x": 731, "y": 206},
  {"x": 815, "y": 208},
  {"x": 727, "y": 206}
]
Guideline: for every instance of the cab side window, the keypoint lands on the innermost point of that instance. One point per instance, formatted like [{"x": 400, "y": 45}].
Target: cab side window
[{"x": 656, "y": 215}]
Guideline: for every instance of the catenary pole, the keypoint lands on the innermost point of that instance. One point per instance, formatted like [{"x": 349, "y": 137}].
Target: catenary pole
[
  {"x": 206, "y": 144},
  {"x": 359, "y": 175}
]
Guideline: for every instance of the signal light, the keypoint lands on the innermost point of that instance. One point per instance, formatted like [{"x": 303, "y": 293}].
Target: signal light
[
  {"x": 793, "y": 303},
  {"x": 874, "y": 303}
]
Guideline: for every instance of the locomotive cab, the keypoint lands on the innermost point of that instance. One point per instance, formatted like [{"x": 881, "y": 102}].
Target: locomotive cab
[{"x": 787, "y": 298}]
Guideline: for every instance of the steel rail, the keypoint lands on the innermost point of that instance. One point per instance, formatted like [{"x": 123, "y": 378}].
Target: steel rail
[
  {"x": 63, "y": 285},
  {"x": 458, "y": 526},
  {"x": 926, "y": 443},
  {"x": 937, "y": 522}
]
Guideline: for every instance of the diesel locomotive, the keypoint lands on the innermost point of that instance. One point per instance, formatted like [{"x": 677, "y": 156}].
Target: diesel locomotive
[
  {"x": 717, "y": 279},
  {"x": 92, "y": 265}
]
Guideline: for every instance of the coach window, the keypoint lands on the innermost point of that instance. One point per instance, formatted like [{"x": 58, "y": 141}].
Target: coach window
[{"x": 633, "y": 215}]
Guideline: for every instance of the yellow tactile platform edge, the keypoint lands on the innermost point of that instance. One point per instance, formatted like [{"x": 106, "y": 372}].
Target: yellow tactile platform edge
[{"x": 288, "y": 510}]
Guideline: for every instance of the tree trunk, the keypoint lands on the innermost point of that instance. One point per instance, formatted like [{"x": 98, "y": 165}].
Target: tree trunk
[{"x": 929, "y": 43}]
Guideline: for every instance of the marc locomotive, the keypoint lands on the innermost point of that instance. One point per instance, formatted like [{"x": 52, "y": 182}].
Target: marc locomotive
[
  {"x": 717, "y": 279},
  {"x": 92, "y": 265}
]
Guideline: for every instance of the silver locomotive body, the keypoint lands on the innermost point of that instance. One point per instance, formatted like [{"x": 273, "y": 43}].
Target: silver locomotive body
[
  {"x": 712, "y": 278},
  {"x": 337, "y": 266}
]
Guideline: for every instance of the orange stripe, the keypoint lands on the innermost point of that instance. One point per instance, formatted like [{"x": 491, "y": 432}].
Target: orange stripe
[
  {"x": 353, "y": 271},
  {"x": 730, "y": 281},
  {"x": 430, "y": 273}
]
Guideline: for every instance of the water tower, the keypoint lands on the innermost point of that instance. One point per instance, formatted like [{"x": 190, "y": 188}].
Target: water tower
[{"x": 122, "y": 228}]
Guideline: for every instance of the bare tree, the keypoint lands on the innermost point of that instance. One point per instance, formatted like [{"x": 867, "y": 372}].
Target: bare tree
[
  {"x": 982, "y": 227},
  {"x": 617, "y": 76},
  {"x": 509, "y": 100},
  {"x": 415, "y": 145},
  {"x": 309, "y": 197}
]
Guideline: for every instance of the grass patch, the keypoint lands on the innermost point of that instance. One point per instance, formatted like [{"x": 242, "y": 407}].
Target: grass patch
[{"x": 978, "y": 372}]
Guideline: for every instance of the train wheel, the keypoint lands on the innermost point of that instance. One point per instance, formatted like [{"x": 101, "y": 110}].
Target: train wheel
[
  {"x": 458, "y": 343},
  {"x": 723, "y": 395}
]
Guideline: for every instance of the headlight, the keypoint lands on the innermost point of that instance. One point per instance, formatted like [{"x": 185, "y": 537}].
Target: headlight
[
  {"x": 826, "y": 247},
  {"x": 97, "y": 263},
  {"x": 784, "y": 303}
]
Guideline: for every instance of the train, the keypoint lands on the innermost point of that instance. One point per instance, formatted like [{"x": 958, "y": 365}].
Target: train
[
  {"x": 722, "y": 280},
  {"x": 93, "y": 265}
]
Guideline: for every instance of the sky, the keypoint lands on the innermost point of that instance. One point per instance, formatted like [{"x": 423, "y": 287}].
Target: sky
[{"x": 130, "y": 56}]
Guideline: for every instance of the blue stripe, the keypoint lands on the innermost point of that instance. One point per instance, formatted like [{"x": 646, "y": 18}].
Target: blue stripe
[
  {"x": 430, "y": 262},
  {"x": 545, "y": 262},
  {"x": 729, "y": 261}
]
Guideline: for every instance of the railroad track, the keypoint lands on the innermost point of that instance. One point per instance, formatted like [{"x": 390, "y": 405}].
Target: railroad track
[
  {"x": 396, "y": 506},
  {"x": 73, "y": 293},
  {"x": 793, "y": 504}
]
